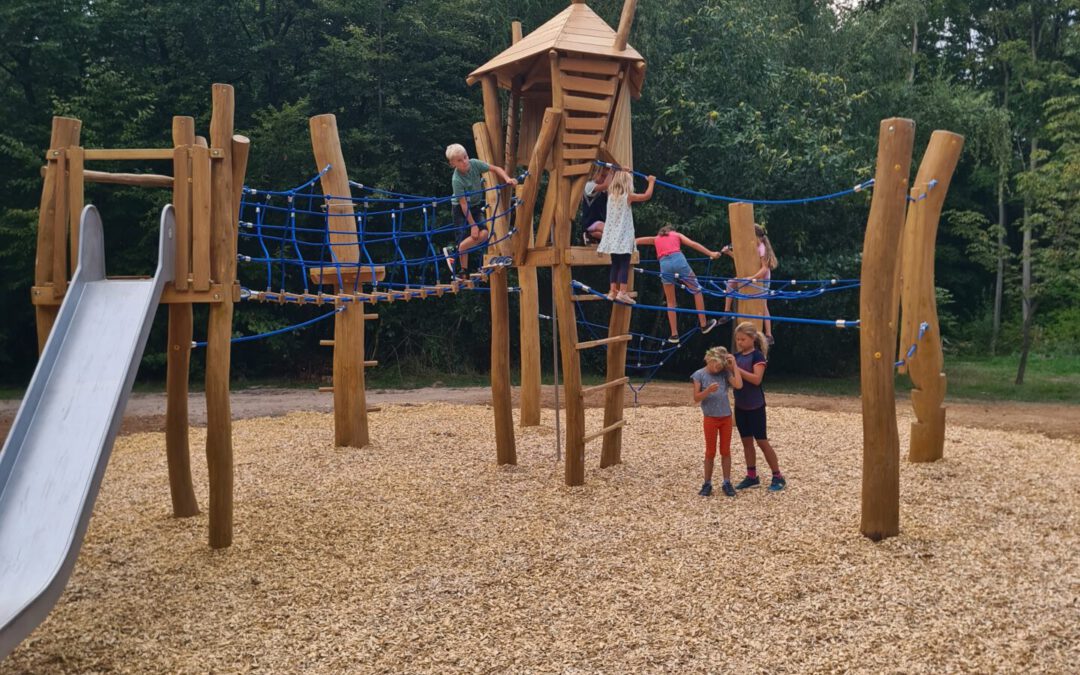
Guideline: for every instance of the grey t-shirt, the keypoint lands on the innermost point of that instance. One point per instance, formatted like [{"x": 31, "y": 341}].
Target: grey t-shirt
[
  {"x": 473, "y": 181},
  {"x": 715, "y": 404}
]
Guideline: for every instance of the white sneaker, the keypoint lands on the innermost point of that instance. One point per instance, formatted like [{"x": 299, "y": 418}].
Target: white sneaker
[
  {"x": 624, "y": 298},
  {"x": 448, "y": 251}
]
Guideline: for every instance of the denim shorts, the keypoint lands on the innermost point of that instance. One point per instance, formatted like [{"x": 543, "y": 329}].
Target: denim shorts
[{"x": 675, "y": 263}]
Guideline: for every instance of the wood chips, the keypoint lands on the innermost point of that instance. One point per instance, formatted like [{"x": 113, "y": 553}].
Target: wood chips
[{"x": 419, "y": 554}]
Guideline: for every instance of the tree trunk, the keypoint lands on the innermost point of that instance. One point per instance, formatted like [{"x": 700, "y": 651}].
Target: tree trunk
[
  {"x": 999, "y": 282},
  {"x": 914, "y": 50},
  {"x": 1025, "y": 287}
]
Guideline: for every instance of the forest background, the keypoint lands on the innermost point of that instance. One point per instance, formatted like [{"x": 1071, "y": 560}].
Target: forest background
[{"x": 754, "y": 98}]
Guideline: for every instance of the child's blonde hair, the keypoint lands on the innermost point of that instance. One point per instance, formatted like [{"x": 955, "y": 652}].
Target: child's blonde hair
[
  {"x": 621, "y": 184},
  {"x": 770, "y": 255},
  {"x": 455, "y": 150},
  {"x": 716, "y": 354},
  {"x": 747, "y": 328}
]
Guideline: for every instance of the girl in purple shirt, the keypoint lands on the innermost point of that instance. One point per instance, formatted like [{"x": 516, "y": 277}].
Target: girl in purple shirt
[{"x": 750, "y": 351}]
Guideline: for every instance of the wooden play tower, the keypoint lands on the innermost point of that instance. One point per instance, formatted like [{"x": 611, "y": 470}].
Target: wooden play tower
[
  {"x": 207, "y": 179},
  {"x": 571, "y": 82}
]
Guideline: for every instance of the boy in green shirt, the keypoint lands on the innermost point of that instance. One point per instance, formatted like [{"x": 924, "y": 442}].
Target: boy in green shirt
[{"x": 467, "y": 181}]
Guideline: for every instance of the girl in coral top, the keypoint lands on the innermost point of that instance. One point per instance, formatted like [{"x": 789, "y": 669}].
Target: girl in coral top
[{"x": 673, "y": 266}]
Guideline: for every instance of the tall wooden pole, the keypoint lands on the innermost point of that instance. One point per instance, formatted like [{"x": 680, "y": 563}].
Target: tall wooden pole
[
  {"x": 919, "y": 302},
  {"x": 877, "y": 332},
  {"x": 500, "y": 367},
  {"x": 350, "y": 396},
  {"x": 529, "y": 313},
  {"x": 747, "y": 261},
  {"x": 219, "y": 451},
  {"x": 626, "y": 20},
  {"x": 52, "y": 239},
  {"x": 177, "y": 450}
]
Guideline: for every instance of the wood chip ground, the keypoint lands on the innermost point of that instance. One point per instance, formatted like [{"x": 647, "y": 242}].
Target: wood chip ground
[{"x": 420, "y": 555}]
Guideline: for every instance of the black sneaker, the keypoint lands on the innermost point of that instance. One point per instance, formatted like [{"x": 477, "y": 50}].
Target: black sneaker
[
  {"x": 674, "y": 339},
  {"x": 449, "y": 251},
  {"x": 748, "y": 482},
  {"x": 722, "y": 320},
  {"x": 706, "y": 490},
  {"x": 728, "y": 490},
  {"x": 709, "y": 326}
]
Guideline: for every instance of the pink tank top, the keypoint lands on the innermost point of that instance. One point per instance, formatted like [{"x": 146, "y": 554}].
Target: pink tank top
[{"x": 667, "y": 244}]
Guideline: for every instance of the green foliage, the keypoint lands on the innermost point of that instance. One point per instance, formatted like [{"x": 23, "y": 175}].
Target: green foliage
[{"x": 750, "y": 98}]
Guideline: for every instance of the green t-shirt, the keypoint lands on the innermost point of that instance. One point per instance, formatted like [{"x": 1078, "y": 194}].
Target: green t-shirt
[{"x": 473, "y": 181}]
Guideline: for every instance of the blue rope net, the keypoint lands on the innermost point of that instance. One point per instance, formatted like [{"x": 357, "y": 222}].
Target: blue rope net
[{"x": 381, "y": 246}]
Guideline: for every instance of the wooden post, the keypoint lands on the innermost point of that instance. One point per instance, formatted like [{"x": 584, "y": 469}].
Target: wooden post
[
  {"x": 219, "y": 451},
  {"x": 76, "y": 200},
  {"x": 350, "y": 398},
  {"x": 877, "y": 334},
  {"x": 918, "y": 297},
  {"x": 65, "y": 134},
  {"x": 177, "y": 449},
  {"x": 485, "y": 152},
  {"x": 506, "y": 452},
  {"x": 747, "y": 261},
  {"x": 626, "y": 19},
  {"x": 528, "y": 319},
  {"x": 614, "y": 397}
]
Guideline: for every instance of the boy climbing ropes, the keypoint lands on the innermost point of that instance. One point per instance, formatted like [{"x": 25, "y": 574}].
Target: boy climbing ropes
[{"x": 467, "y": 181}]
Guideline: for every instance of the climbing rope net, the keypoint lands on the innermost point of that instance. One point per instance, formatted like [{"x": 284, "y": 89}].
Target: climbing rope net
[{"x": 383, "y": 246}]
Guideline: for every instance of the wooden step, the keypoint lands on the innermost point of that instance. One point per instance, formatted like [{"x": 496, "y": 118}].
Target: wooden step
[
  {"x": 606, "y": 430},
  {"x": 605, "y": 341},
  {"x": 607, "y": 385},
  {"x": 595, "y": 105},
  {"x": 574, "y": 65},
  {"x": 583, "y": 123},
  {"x": 588, "y": 85},
  {"x": 590, "y": 297},
  {"x": 583, "y": 139}
]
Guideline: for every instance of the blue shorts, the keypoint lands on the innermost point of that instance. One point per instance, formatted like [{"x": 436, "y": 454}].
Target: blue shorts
[{"x": 675, "y": 264}]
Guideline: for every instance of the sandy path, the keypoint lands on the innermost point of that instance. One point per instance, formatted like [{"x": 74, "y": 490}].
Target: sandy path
[{"x": 146, "y": 412}]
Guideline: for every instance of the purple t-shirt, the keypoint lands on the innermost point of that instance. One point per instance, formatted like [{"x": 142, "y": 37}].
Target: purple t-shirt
[{"x": 751, "y": 396}]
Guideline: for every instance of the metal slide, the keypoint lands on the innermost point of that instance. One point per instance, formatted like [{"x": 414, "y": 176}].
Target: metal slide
[{"x": 55, "y": 455}]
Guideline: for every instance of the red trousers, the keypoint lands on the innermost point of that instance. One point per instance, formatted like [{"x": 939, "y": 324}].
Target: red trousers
[{"x": 717, "y": 427}]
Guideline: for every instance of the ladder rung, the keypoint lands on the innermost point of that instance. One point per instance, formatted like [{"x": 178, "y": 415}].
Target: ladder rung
[
  {"x": 605, "y": 341},
  {"x": 607, "y": 385},
  {"x": 605, "y": 430},
  {"x": 369, "y": 317}
]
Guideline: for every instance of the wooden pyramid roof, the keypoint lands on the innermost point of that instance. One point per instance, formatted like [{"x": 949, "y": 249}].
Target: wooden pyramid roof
[{"x": 576, "y": 29}]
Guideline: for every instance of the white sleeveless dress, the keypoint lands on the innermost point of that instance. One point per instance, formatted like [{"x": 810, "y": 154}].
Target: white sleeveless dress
[{"x": 618, "y": 227}]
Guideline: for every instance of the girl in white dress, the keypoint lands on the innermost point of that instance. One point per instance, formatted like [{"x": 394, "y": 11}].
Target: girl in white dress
[{"x": 618, "y": 239}]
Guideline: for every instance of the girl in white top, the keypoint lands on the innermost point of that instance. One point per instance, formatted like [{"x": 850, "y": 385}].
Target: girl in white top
[{"x": 618, "y": 238}]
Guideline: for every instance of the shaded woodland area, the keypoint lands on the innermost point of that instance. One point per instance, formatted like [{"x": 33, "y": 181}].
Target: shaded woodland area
[{"x": 754, "y": 98}]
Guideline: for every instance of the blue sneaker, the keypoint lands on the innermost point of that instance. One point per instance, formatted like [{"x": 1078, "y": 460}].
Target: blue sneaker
[
  {"x": 748, "y": 482},
  {"x": 728, "y": 490},
  {"x": 777, "y": 484},
  {"x": 706, "y": 490}
]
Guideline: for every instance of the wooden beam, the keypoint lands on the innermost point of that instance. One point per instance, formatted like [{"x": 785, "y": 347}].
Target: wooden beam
[
  {"x": 219, "y": 450},
  {"x": 606, "y": 430},
  {"x": 926, "y": 365},
  {"x": 180, "y": 332},
  {"x": 744, "y": 244},
  {"x": 506, "y": 452},
  {"x": 350, "y": 276},
  {"x": 607, "y": 385},
  {"x": 326, "y": 144},
  {"x": 129, "y": 154},
  {"x": 578, "y": 256},
  {"x": 544, "y": 142},
  {"x": 877, "y": 338},
  {"x": 626, "y": 20},
  {"x": 202, "y": 236},
  {"x": 603, "y": 341},
  {"x": 151, "y": 180},
  {"x": 618, "y": 324}
]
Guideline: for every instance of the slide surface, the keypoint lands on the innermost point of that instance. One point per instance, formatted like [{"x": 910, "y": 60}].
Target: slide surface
[{"x": 54, "y": 458}]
